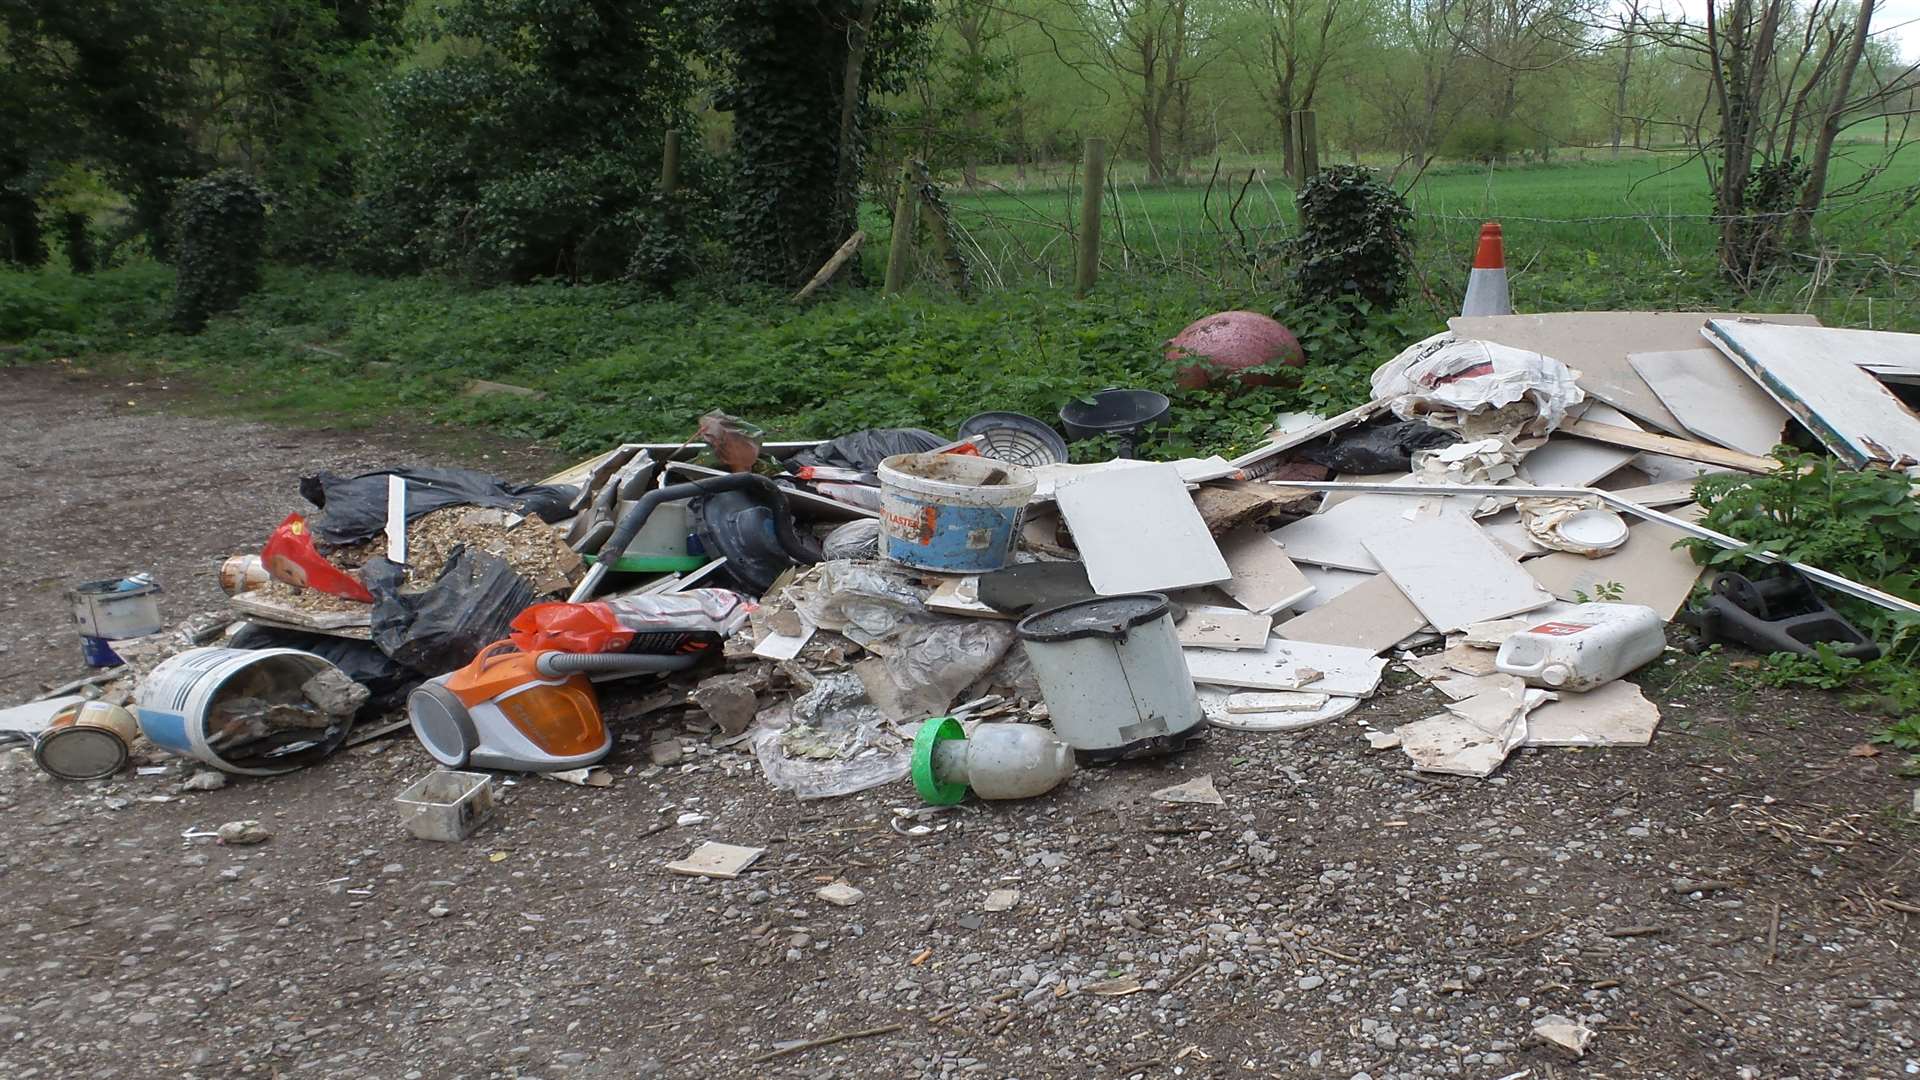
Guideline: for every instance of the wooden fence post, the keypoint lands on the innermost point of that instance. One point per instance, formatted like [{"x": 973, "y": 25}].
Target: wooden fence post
[
  {"x": 901, "y": 244},
  {"x": 670, "y": 164},
  {"x": 1093, "y": 189}
]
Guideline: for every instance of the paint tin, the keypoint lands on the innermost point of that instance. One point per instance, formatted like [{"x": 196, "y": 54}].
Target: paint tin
[
  {"x": 953, "y": 513},
  {"x": 243, "y": 573},
  {"x": 117, "y": 608},
  {"x": 87, "y": 742},
  {"x": 177, "y": 700}
]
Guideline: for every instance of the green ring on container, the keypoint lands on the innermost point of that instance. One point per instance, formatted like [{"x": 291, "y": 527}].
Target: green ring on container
[{"x": 934, "y": 731}]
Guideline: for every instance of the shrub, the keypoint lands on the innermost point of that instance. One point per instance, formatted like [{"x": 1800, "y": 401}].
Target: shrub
[
  {"x": 1353, "y": 239},
  {"x": 220, "y": 227}
]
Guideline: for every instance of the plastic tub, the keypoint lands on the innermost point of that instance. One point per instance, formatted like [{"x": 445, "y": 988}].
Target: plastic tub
[
  {"x": 176, "y": 701},
  {"x": 446, "y": 805},
  {"x": 955, "y": 513},
  {"x": 1114, "y": 678}
]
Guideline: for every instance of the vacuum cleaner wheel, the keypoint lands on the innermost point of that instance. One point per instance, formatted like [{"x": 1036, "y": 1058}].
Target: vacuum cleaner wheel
[{"x": 441, "y": 723}]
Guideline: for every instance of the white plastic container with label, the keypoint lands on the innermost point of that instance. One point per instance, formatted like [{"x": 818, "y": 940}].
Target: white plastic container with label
[{"x": 1584, "y": 646}]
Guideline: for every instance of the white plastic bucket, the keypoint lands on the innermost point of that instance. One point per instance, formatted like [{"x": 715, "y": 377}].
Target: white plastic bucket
[
  {"x": 102, "y": 609},
  {"x": 955, "y": 513},
  {"x": 176, "y": 701},
  {"x": 1583, "y": 647}
]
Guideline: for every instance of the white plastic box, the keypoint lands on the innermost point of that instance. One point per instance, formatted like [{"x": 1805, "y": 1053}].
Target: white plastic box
[{"x": 447, "y": 805}]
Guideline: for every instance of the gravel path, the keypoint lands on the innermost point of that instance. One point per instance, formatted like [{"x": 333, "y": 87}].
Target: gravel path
[{"x": 1735, "y": 901}]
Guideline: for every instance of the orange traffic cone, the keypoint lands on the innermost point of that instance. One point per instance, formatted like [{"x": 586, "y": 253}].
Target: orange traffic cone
[{"x": 1487, "y": 285}]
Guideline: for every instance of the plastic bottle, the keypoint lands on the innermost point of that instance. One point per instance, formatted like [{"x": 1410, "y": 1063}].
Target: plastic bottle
[
  {"x": 1583, "y": 647},
  {"x": 999, "y": 761}
]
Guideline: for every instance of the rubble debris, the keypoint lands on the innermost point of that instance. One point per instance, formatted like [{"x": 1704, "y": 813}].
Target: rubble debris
[
  {"x": 334, "y": 694},
  {"x": 716, "y": 860},
  {"x": 1226, "y": 505},
  {"x": 1475, "y": 735},
  {"x": 840, "y": 894},
  {"x": 1138, "y": 531},
  {"x": 1001, "y": 900},
  {"x": 354, "y": 508},
  {"x": 446, "y": 805},
  {"x": 594, "y": 776},
  {"x": 1612, "y": 714},
  {"x": 243, "y": 833},
  {"x": 205, "y": 780},
  {"x": 731, "y": 701},
  {"x": 1199, "y": 791},
  {"x": 1563, "y": 1033}
]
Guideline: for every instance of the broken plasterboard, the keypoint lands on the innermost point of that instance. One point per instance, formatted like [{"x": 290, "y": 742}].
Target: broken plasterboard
[
  {"x": 35, "y": 715},
  {"x": 1372, "y": 616},
  {"x": 1049, "y": 479},
  {"x": 1611, "y": 714},
  {"x": 1197, "y": 792},
  {"x": 1647, "y": 569},
  {"x": 1473, "y": 736},
  {"x": 1138, "y": 531},
  {"x": 1290, "y": 665},
  {"x": 1328, "y": 585},
  {"x": 1214, "y": 703},
  {"x": 1245, "y": 702},
  {"x": 726, "y": 861},
  {"x": 1596, "y": 344},
  {"x": 961, "y": 596},
  {"x": 1264, "y": 580},
  {"x": 1805, "y": 370},
  {"x": 1221, "y": 628},
  {"x": 1336, "y": 537},
  {"x": 1454, "y": 572},
  {"x": 1713, "y": 399}
]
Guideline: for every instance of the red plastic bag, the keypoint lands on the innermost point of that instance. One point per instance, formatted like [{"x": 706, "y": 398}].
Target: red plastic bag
[
  {"x": 574, "y": 628},
  {"x": 291, "y": 557}
]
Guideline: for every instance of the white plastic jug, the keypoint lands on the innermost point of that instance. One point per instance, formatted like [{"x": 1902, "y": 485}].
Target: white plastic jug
[{"x": 1584, "y": 646}]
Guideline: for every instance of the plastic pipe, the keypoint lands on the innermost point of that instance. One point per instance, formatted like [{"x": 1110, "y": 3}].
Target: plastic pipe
[
  {"x": 797, "y": 550},
  {"x": 566, "y": 663}
]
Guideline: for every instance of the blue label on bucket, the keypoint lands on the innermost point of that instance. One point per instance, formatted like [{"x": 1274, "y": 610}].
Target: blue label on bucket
[
  {"x": 165, "y": 730},
  {"x": 955, "y": 538}
]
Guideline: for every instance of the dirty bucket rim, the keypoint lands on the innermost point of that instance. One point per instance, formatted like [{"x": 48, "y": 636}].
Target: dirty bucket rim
[
  {"x": 1018, "y": 477},
  {"x": 1029, "y": 628}
]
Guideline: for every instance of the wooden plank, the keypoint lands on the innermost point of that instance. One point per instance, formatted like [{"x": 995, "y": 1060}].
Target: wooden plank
[
  {"x": 1138, "y": 531},
  {"x": 1596, "y": 344},
  {"x": 1372, "y": 616},
  {"x": 1264, "y": 580},
  {"x": 1672, "y": 447},
  {"x": 1852, "y": 413},
  {"x": 287, "y": 615},
  {"x": 1713, "y": 398},
  {"x": 1454, "y": 572}
]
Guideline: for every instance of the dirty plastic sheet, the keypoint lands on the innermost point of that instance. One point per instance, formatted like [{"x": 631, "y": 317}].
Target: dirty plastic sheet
[
  {"x": 1380, "y": 448},
  {"x": 829, "y": 741},
  {"x": 865, "y": 450},
  {"x": 864, "y": 601},
  {"x": 1447, "y": 380},
  {"x": 932, "y": 664},
  {"x": 470, "y": 606}
]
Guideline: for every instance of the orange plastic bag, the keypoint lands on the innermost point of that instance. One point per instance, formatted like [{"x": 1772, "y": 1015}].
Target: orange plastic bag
[
  {"x": 291, "y": 557},
  {"x": 574, "y": 628}
]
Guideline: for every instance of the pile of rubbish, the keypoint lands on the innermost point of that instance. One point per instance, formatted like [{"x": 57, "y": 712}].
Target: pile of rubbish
[{"x": 976, "y": 614}]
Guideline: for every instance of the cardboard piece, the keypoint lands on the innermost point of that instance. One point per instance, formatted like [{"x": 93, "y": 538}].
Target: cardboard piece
[
  {"x": 1611, "y": 714},
  {"x": 1473, "y": 736},
  {"x": 1597, "y": 343},
  {"x": 1647, "y": 567},
  {"x": 1290, "y": 665},
  {"x": 1713, "y": 399},
  {"x": 1222, "y": 628},
  {"x": 714, "y": 860},
  {"x": 1371, "y": 616},
  {"x": 1852, "y": 413},
  {"x": 1264, "y": 580},
  {"x": 1138, "y": 531},
  {"x": 1454, "y": 573}
]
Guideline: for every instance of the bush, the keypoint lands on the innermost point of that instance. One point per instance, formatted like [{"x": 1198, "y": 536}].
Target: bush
[
  {"x": 1484, "y": 141},
  {"x": 1353, "y": 239},
  {"x": 220, "y": 228}
]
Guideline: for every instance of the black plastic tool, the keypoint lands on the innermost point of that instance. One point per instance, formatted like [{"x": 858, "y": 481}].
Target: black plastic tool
[{"x": 1778, "y": 612}]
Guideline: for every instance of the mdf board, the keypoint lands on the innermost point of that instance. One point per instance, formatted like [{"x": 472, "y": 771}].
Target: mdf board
[
  {"x": 1714, "y": 399},
  {"x": 1138, "y": 531},
  {"x": 1454, "y": 572},
  {"x": 1811, "y": 372},
  {"x": 1597, "y": 343},
  {"x": 1373, "y": 616}
]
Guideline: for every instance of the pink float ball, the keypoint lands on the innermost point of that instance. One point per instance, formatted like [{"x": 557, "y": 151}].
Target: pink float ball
[{"x": 1232, "y": 341}]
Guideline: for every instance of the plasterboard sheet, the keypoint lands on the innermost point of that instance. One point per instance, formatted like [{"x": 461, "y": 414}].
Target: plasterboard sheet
[
  {"x": 1138, "y": 531},
  {"x": 1213, "y": 705},
  {"x": 1511, "y": 533},
  {"x": 1596, "y": 344},
  {"x": 1289, "y": 665},
  {"x": 1264, "y": 580},
  {"x": 1611, "y": 714},
  {"x": 1222, "y": 628},
  {"x": 1334, "y": 537},
  {"x": 1372, "y": 616},
  {"x": 1454, "y": 572},
  {"x": 1850, "y": 411},
  {"x": 1656, "y": 496},
  {"x": 1328, "y": 584},
  {"x": 1474, "y": 735},
  {"x": 1570, "y": 462},
  {"x": 1647, "y": 568},
  {"x": 1714, "y": 399},
  {"x": 1048, "y": 479}
]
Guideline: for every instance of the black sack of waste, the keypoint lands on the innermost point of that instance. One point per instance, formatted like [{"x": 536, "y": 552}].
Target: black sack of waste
[
  {"x": 386, "y": 679},
  {"x": 354, "y": 508},
  {"x": 470, "y": 606},
  {"x": 1383, "y": 448},
  {"x": 864, "y": 450}
]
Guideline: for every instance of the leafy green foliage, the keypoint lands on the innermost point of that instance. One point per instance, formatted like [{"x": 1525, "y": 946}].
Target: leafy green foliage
[
  {"x": 1756, "y": 229},
  {"x": 1353, "y": 238},
  {"x": 221, "y": 230},
  {"x": 1483, "y": 140}
]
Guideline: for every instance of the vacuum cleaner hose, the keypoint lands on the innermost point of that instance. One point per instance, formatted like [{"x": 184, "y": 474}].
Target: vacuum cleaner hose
[
  {"x": 564, "y": 663},
  {"x": 801, "y": 551}
]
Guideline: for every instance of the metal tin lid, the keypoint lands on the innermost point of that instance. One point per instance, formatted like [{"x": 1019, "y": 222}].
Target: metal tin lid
[
  {"x": 80, "y": 753},
  {"x": 1102, "y": 616}
]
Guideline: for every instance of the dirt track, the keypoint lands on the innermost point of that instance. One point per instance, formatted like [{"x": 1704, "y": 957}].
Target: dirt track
[{"x": 1339, "y": 916}]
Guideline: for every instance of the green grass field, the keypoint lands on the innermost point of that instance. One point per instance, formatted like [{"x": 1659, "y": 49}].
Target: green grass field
[{"x": 1633, "y": 232}]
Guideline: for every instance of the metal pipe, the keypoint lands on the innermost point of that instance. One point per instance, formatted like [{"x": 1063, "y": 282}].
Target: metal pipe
[{"x": 1845, "y": 586}]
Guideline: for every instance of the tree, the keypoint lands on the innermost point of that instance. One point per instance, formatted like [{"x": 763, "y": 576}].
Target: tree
[{"x": 1292, "y": 45}]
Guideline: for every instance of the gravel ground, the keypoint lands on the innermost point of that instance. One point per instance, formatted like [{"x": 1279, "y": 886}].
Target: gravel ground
[{"x": 1734, "y": 901}]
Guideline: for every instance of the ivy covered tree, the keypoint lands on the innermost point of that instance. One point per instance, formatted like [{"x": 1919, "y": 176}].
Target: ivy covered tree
[
  {"x": 1353, "y": 239},
  {"x": 801, "y": 74}
]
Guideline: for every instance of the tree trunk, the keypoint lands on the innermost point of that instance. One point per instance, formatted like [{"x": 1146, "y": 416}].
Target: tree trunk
[
  {"x": 1620, "y": 90},
  {"x": 1816, "y": 186},
  {"x": 847, "y": 179}
]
